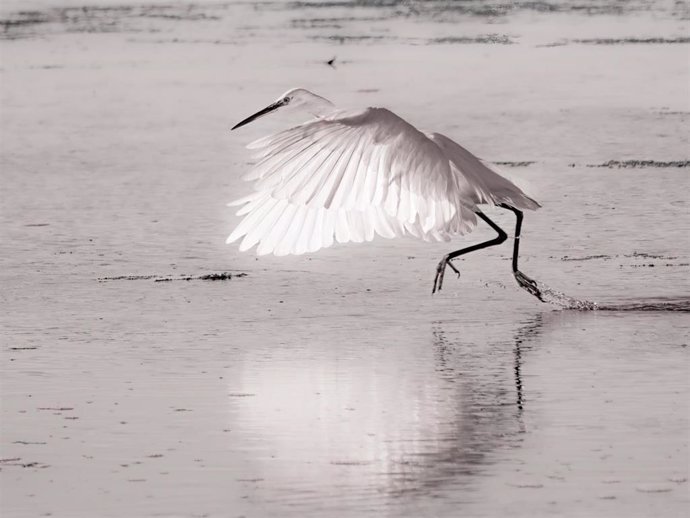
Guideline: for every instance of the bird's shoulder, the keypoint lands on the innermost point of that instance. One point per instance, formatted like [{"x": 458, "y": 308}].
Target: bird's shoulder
[
  {"x": 368, "y": 115},
  {"x": 382, "y": 123}
]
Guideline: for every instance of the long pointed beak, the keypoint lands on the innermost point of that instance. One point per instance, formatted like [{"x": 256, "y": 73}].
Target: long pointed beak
[{"x": 261, "y": 113}]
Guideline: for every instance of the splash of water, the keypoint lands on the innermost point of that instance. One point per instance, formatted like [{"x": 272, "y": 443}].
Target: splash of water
[
  {"x": 557, "y": 298},
  {"x": 551, "y": 296}
]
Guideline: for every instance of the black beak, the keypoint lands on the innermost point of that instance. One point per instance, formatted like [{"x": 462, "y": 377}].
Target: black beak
[{"x": 263, "y": 112}]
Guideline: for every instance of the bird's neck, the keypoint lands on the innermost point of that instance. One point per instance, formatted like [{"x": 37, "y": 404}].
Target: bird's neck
[{"x": 318, "y": 106}]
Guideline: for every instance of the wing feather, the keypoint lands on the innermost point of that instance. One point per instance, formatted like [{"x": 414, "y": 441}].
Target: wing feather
[
  {"x": 279, "y": 171},
  {"x": 328, "y": 217},
  {"x": 344, "y": 179},
  {"x": 273, "y": 234},
  {"x": 313, "y": 180},
  {"x": 262, "y": 229},
  {"x": 382, "y": 225},
  {"x": 253, "y": 218},
  {"x": 342, "y": 230},
  {"x": 302, "y": 242},
  {"x": 369, "y": 187},
  {"x": 477, "y": 181},
  {"x": 326, "y": 186},
  {"x": 356, "y": 199},
  {"x": 280, "y": 162},
  {"x": 303, "y": 165},
  {"x": 296, "y": 182},
  {"x": 287, "y": 242}
]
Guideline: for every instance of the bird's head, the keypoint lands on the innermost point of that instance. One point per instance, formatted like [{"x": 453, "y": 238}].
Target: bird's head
[{"x": 293, "y": 98}]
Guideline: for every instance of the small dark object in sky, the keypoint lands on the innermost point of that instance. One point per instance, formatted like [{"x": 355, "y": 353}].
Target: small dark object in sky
[{"x": 331, "y": 62}]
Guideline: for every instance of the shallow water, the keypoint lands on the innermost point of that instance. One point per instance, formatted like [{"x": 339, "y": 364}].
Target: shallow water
[{"x": 335, "y": 384}]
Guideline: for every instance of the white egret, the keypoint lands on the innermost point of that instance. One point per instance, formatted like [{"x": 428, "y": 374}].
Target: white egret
[{"x": 349, "y": 176}]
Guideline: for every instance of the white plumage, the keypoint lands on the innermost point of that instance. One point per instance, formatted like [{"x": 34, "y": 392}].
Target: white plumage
[{"x": 350, "y": 176}]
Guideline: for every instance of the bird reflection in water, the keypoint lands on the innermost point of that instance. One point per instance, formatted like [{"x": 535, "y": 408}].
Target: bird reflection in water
[
  {"x": 524, "y": 335},
  {"x": 488, "y": 416},
  {"x": 371, "y": 421}
]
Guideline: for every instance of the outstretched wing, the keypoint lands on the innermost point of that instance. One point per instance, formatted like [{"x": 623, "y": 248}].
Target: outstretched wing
[
  {"x": 348, "y": 178},
  {"x": 478, "y": 181}
]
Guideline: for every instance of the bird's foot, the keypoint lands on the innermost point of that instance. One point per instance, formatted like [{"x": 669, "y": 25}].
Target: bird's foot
[
  {"x": 528, "y": 284},
  {"x": 440, "y": 272}
]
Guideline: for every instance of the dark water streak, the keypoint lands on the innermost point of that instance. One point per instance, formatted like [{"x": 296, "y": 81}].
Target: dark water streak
[
  {"x": 681, "y": 305},
  {"x": 557, "y": 298},
  {"x": 223, "y": 276}
]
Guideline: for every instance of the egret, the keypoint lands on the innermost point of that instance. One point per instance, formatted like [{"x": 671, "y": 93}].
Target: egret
[{"x": 347, "y": 176}]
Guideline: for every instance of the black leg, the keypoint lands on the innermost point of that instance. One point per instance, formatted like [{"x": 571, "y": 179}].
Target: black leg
[
  {"x": 441, "y": 268},
  {"x": 523, "y": 281}
]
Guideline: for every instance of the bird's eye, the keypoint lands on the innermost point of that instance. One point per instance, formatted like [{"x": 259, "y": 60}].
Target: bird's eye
[{"x": 286, "y": 99}]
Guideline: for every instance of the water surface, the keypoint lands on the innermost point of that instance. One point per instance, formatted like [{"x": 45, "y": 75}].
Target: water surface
[{"x": 335, "y": 384}]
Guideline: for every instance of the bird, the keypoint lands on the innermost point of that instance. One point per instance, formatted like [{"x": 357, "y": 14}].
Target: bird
[{"x": 347, "y": 176}]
